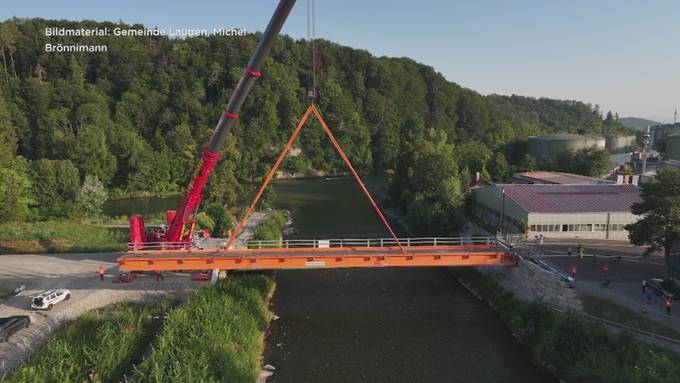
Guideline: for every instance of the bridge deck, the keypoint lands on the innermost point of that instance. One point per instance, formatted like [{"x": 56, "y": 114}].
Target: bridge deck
[{"x": 319, "y": 257}]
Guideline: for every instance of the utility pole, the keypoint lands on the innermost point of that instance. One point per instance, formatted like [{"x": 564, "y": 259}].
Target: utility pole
[
  {"x": 645, "y": 142},
  {"x": 503, "y": 211}
]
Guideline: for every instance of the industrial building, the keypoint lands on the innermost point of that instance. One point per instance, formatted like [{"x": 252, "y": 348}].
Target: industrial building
[
  {"x": 545, "y": 147},
  {"x": 659, "y": 133},
  {"x": 556, "y": 178},
  {"x": 619, "y": 144},
  {"x": 594, "y": 211},
  {"x": 673, "y": 147}
]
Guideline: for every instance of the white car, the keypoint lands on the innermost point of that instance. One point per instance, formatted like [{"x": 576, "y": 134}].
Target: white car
[{"x": 47, "y": 299}]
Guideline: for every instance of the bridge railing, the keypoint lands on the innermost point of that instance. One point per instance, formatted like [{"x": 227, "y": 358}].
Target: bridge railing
[
  {"x": 370, "y": 242},
  {"x": 219, "y": 244}
]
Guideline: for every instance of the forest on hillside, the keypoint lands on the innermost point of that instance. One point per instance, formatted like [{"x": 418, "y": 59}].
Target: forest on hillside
[{"x": 132, "y": 120}]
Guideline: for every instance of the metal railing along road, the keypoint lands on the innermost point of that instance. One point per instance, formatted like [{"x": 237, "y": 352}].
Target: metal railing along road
[{"x": 216, "y": 244}]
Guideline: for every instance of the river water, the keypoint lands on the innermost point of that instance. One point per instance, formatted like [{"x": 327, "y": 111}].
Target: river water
[{"x": 379, "y": 325}]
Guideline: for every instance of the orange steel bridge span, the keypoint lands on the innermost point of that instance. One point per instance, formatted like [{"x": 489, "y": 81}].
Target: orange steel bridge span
[{"x": 319, "y": 253}]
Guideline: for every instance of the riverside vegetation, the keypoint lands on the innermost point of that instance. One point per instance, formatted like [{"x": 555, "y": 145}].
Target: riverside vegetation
[
  {"x": 131, "y": 121},
  {"x": 100, "y": 346},
  {"x": 217, "y": 336},
  {"x": 577, "y": 350}
]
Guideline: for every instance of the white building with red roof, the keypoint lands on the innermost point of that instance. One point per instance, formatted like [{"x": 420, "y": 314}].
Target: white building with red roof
[{"x": 593, "y": 211}]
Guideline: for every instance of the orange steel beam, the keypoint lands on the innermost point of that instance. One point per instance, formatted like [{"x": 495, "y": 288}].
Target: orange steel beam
[{"x": 271, "y": 259}]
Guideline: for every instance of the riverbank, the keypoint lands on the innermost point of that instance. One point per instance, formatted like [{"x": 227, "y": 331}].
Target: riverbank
[
  {"x": 60, "y": 237},
  {"x": 217, "y": 336},
  {"x": 576, "y": 350}
]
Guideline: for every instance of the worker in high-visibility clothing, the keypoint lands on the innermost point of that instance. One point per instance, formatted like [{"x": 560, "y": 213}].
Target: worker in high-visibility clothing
[{"x": 101, "y": 272}]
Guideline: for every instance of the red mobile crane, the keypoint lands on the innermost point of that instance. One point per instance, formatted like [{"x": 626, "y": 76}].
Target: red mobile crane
[{"x": 181, "y": 221}]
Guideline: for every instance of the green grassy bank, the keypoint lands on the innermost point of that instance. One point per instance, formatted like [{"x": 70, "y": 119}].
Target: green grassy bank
[
  {"x": 100, "y": 346},
  {"x": 60, "y": 237},
  {"x": 576, "y": 349},
  {"x": 217, "y": 336}
]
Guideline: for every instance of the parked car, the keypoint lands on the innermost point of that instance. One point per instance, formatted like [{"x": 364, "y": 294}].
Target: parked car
[
  {"x": 47, "y": 299},
  {"x": 662, "y": 289},
  {"x": 10, "y": 325},
  {"x": 201, "y": 275}
]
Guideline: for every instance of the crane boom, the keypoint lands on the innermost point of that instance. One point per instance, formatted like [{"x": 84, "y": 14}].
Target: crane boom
[{"x": 181, "y": 222}]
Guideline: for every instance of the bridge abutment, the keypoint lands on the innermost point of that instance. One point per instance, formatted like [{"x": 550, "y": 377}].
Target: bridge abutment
[{"x": 529, "y": 282}]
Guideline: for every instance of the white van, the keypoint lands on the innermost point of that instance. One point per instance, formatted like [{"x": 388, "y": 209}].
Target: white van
[{"x": 47, "y": 299}]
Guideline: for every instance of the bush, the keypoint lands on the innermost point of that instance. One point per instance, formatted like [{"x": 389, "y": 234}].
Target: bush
[{"x": 270, "y": 229}]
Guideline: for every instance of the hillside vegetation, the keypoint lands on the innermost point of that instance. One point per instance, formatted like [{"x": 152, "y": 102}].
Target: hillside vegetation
[{"x": 134, "y": 118}]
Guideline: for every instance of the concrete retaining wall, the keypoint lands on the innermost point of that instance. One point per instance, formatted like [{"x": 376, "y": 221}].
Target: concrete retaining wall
[{"x": 529, "y": 282}]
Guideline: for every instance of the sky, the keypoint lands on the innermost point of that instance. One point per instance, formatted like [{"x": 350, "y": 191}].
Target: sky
[{"x": 623, "y": 55}]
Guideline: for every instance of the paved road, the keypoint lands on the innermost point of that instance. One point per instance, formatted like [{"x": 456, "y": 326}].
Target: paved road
[{"x": 626, "y": 276}]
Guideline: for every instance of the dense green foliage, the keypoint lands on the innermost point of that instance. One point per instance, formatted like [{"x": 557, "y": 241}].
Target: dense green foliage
[
  {"x": 100, "y": 346},
  {"x": 217, "y": 336},
  {"x": 136, "y": 116},
  {"x": 591, "y": 162},
  {"x": 578, "y": 350},
  {"x": 659, "y": 209},
  {"x": 271, "y": 227}
]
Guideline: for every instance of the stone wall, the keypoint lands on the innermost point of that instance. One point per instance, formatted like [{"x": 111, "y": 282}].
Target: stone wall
[{"x": 529, "y": 282}]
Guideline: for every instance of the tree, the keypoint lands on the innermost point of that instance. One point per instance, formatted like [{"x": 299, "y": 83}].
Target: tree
[
  {"x": 591, "y": 162},
  {"x": 55, "y": 186},
  {"x": 659, "y": 224},
  {"x": 528, "y": 163},
  {"x": 15, "y": 191},
  {"x": 92, "y": 197},
  {"x": 499, "y": 169}
]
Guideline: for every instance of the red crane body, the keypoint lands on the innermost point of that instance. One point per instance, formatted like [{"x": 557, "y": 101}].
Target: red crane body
[{"x": 181, "y": 221}]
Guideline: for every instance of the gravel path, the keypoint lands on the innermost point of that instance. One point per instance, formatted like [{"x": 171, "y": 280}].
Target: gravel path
[{"x": 77, "y": 272}]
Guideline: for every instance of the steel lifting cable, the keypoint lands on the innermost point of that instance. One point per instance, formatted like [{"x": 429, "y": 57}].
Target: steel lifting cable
[
  {"x": 356, "y": 176},
  {"x": 269, "y": 177},
  {"x": 272, "y": 171},
  {"x": 311, "y": 37}
]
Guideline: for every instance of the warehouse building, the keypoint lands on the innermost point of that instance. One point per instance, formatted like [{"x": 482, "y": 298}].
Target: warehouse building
[
  {"x": 594, "y": 211},
  {"x": 673, "y": 147},
  {"x": 550, "y": 177}
]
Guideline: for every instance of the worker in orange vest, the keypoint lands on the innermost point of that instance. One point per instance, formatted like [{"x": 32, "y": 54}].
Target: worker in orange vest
[
  {"x": 669, "y": 305},
  {"x": 101, "y": 272},
  {"x": 605, "y": 270}
]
